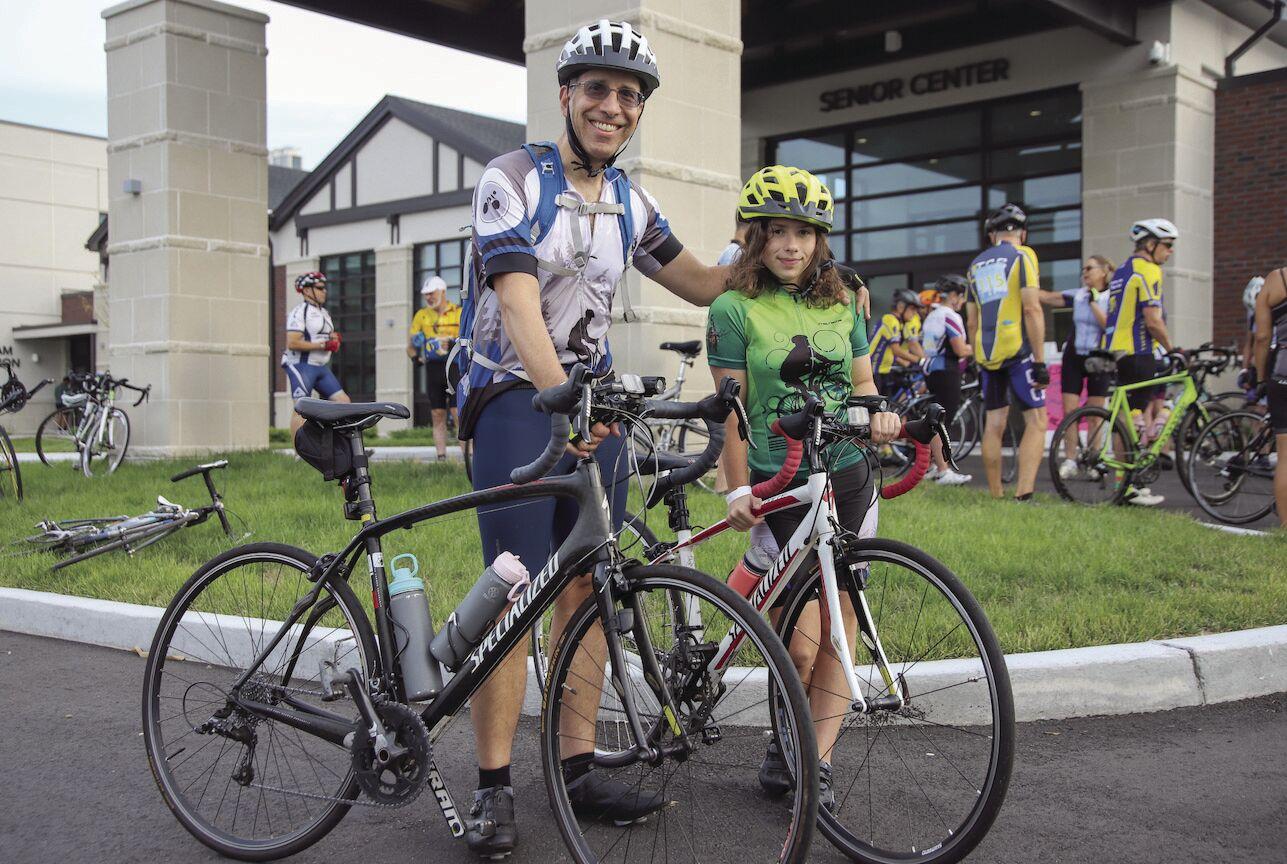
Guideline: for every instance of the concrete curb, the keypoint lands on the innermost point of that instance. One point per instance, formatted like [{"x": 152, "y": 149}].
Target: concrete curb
[{"x": 1075, "y": 682}]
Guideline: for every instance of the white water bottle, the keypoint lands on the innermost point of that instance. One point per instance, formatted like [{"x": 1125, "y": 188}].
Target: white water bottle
[{"x": 500, "y": 583}]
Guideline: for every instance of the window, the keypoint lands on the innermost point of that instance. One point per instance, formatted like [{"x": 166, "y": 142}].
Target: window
[
  {"x": 444, "y": 258},
  {"x": 350, "y": 299},
  {"x": 919, "y": 186}
]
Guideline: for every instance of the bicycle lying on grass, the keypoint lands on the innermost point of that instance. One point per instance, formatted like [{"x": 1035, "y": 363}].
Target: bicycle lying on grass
[
  {"x": 13, "y": 398},
  {"x": 80, "y": 539},
  {"x": 288, "y": 702},
  {"x": 924, "y": 746}
]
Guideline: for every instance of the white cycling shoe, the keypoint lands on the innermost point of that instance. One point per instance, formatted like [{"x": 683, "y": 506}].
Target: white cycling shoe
[
  {"x": 953, "y": 478},
  {"x": 1143, "y": 497},
  {"x": 1067, "y": 469}
]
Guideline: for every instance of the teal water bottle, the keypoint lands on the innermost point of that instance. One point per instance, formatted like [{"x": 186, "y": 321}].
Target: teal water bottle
[{"x": 413, "y": 630}]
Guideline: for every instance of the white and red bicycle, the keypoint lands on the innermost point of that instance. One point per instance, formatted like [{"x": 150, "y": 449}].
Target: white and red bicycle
[{"x": 923, "y": 755}]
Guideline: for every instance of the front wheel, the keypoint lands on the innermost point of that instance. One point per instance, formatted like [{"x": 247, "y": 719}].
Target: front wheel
[
  {"x": 104, "y": 451},
  {"x": 702, "y": 795},
  {"x": 57, "y": 433},
  {"x": 248, "y": 785},
  {"x": 1231, "y": 468},
  {"x": 923, "y": 780},
  {"x": 1080, "y": 455},
  {"x": 10, "y": 473}
]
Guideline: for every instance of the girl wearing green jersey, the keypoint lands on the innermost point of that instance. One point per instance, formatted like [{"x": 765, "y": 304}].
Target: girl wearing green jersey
[{"x": 786, "y": 328}]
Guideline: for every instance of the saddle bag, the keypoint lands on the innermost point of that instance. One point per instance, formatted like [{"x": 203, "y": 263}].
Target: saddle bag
[{"x": 326, "y": 451}]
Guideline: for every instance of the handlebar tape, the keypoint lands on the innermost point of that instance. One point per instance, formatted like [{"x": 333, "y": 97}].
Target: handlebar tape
[
  {"x": 560, "y": 427},
  {"x": 699, "y": 466},
  {"x": 791, "y": 464},
  {"x": 918, "y": 469}
]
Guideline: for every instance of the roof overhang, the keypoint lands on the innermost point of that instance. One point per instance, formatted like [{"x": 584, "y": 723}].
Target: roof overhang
[{"x": 33, "y": 332}]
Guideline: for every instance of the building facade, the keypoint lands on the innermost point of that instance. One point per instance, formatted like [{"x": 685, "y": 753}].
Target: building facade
[{"x": 53, "y": 193}]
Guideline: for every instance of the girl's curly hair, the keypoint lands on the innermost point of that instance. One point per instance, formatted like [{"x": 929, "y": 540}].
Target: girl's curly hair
[{"x": 749, "y": 276}]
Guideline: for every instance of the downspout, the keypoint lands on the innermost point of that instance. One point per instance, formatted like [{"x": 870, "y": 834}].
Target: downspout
[{"x": 1253, "y": 39}]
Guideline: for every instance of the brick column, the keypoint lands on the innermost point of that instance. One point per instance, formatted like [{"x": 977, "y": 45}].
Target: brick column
[
  {"x": 189, "y": 249},
  {"x": 686, "y": 152},
  {"x": 393, "y": 311}
]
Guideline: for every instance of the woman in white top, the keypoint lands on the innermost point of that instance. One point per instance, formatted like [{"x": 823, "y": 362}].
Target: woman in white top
[{"x": 943, "y": 340}]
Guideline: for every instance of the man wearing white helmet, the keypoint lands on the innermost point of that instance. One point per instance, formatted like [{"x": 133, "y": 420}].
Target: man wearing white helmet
[
  {"x": 1136, "y": 322},
  {"x": 556, "y": 226},
  {"x": 433, "y": 331}
]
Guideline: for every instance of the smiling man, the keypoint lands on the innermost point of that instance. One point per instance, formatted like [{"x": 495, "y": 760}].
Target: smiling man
[{"x": 556, "y": 226}]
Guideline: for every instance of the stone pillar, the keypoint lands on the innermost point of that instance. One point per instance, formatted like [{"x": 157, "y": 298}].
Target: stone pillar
[
  {"x": 189, "y": 247},
  {"x": 393, "y": 310},
  {"x": 1148, "y": 142},
  {"x": 686, "y": 152}
]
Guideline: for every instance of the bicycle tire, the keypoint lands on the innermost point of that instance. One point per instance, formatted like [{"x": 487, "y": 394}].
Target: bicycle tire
[
  {"x": 901, "y": 565},
  {"x": 65, "y": 422},
  {"x": 174, "y": 643},
  {"x": 118, "y": 441},
  {"x": 971, "y": 411},
  {"x": 1187, "y": 432},
  {"x": 701, "y": 699},
  {"x": 1216, "y": 456},
  {"x": 1088, "y": 468},
  {"x": 539, "y": 638},
  {"x": 138, "y": 538},
  {"x": 10, "y": 473}
]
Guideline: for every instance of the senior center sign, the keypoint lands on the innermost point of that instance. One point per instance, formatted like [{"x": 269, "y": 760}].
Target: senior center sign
[{"x": 933, "y": 81}]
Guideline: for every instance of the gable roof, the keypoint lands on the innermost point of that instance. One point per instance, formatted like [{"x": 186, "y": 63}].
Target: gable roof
[{"x": 480, "y": 138}]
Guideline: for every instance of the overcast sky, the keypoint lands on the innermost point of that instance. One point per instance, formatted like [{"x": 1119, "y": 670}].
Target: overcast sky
[{"x": 324, "y": 74}]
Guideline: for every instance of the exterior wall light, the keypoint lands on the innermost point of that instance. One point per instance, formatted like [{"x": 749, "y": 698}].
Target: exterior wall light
[{"x": 132, "y": 187}]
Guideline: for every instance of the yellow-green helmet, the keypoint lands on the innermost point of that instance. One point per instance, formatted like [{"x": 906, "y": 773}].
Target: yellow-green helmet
[{"x": 780, "y": 192}]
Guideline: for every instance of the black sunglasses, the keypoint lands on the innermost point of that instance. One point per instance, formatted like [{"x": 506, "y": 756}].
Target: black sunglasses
[{"x": 598, "y": 91}]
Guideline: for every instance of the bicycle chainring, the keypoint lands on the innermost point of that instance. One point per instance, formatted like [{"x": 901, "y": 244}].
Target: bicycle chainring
[
  {"x": 1147, "y": 475},
  {"x": 392, "y": 773}
]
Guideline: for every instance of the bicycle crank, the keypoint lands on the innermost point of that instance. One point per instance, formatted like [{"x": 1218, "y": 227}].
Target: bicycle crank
[{"x": 393, "y": 766}]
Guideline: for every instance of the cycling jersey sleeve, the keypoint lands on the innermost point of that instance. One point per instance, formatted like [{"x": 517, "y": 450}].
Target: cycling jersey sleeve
[
  {"x": 1070, "y": 298},
  {"x": 658, "y": 246},
  {"x": 1149, "y": 294},
  {"x": 1031, "y": 277},
  {"x": 295, "y": 319},
  {"x": 726, "y": 332},
  {"x": 858, "y": 335},
  {"x": 502, "y": 226}
]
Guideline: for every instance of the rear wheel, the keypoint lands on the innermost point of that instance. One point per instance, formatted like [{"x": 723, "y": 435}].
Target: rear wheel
[
  {"x": 1231, "y": 468},
  {"x": 103, "y": 453},
  {"x": 247, "y": 786},
  {"x": 1082, "y": 441},
  {"x": 1186, "y": 434},
  {"x": 704, "y": 785},
  {"x": 10, "y": 473},
  {"x": 923, "y": 781},
  {"x": 57, "y": 433}
]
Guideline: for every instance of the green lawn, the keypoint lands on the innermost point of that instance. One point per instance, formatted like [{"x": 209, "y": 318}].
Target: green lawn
[{"x": 1051, "y": 576}]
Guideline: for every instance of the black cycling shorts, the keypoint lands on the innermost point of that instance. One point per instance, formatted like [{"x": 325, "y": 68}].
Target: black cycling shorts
[
  {"x": 1277, "y": 393},
  {"x": 945, "y": 385},
  {"x": 1073, "y": 376},
  {"x": 852, "y": 487},
  {"x": 1134, "y": 368},
  {"x": 436, "y": 383}
]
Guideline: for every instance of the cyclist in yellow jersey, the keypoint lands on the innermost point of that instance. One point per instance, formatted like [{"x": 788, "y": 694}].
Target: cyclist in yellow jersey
[
  {"x": 1007, "y": 331},
  {"x": 912, "y": 332},
  {"x": 433, "y": 330},
  {"x": 887, "y": 343},
  {"x": 1136, "y": 323}
]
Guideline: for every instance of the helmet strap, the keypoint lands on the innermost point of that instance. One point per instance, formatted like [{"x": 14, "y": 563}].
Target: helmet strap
[{"x": 583, "y": 160}]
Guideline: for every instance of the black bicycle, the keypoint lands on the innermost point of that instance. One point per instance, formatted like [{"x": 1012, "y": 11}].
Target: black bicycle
[
  {"x": 271, "y": 701},
  {"x": 13, "y": 398}
]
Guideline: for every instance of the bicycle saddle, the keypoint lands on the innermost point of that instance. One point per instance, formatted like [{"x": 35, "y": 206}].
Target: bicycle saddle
[
  {"x": 340, "y": 413},
  {"x": 688, "y": 349}
]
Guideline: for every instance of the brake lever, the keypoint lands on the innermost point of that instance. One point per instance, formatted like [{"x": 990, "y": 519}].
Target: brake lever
[
  {"x": 743, "y": 423},
  {"x": 941, "y": 431}
]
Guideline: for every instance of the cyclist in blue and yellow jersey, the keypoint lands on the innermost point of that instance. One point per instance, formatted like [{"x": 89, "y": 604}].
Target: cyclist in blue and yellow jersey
[
  {"x": 887, "y": 346},
  {"x": 787, "y": 328},
  {"x": 1007, "y": 331},
  {"x": 1136, "y": 323},
  {"x": 912, "y": 330}
]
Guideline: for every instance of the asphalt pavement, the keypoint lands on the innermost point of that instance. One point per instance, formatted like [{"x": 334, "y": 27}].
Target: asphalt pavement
[{"x": 1193, "y": 785}]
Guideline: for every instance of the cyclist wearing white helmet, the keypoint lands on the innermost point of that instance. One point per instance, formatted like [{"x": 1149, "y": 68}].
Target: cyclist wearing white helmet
[
  {"x": 1136, "y": 323},
  {"x": 434, "y": 329},
  {"x": 311, "y": 339},
  {"x": 556, "y": 226}
]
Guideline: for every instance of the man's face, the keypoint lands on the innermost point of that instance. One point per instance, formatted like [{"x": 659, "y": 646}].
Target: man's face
[
  {"x": 602, "y": 125},
  {"x": 436, "y": 299},
  {"x": 1163, "y": 251}
]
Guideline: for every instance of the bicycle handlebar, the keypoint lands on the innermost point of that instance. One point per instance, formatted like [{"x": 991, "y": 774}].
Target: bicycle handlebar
[
  {"x": 200, "y": 469},
  {"x": 713, "y": 411}
]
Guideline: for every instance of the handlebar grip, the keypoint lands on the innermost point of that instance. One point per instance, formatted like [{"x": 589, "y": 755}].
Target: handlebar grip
[
  {"x": 560, "y": 427},
  {"x": 921, "y": 431},
  {"x": 699, "y": 466},
  {"x": 918, "y": 469},
  {"x": 562, "y": 398},
  {"x": 779, "y": 481}
]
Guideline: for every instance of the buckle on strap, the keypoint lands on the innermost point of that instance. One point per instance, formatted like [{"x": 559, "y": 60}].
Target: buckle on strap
[{"x": 587, "y": 208}]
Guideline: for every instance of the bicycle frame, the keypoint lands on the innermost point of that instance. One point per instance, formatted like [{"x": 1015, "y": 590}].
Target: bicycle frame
[
  {"x": 1118, "y": 404},
  {"x": 814, "y": 534}
]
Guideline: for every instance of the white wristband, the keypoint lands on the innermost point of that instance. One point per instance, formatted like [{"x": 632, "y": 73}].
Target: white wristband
[{"x": 739, "y": 492}]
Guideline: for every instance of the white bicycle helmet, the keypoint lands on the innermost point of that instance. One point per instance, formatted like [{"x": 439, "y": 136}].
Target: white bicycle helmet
[
  {"x": 609, "y": 45},
  {"x": 1252, "y": 291},
  {"x": 1158, "y": 229}
]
